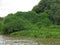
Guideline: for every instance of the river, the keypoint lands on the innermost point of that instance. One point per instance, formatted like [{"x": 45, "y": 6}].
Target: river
[{"x": 5, "y": 40}]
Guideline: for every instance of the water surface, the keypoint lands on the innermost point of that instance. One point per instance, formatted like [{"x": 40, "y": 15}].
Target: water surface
[
  {"x": 15, "y": 41},
  {"x": 6, "y": 40}
]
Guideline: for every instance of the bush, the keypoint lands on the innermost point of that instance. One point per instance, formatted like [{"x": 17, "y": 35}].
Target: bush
[
  {"x": 18, "y": 22},
  {"x": 43, "y": 20},
  {"x": 53, "y": 6}
]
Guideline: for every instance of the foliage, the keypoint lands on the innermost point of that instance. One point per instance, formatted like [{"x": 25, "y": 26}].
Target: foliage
[
  {"x": 53, "y": 6},
  {"x": 42, "y": 21},
  {"x": 30, "y": 16},
  {"x": 18, "y": 22},
  {"x": 45, "y": 32},
  {"x": 1, "y": 22}
]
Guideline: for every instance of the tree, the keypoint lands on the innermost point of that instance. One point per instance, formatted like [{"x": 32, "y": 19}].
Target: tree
[
  {"x": 53, "y": 5},
  {"x": 18, "y": 22},
  {"x": 30, "y": 16},
  {"x": 43, "y": 20},
  {"x": 1, "y": 24}
]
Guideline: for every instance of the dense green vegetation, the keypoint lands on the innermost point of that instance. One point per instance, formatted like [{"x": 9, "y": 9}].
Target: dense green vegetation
[
  {"x": 44, "y": 32},
  {"x": 42, "y": 21},
  {"x": 19, "y": 21},
  {"x": 51, "y": 7},
  {"x": 1, "y": 23}
]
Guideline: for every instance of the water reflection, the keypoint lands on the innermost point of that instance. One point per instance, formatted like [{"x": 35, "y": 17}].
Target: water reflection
[
  {"x": 21, "y": 41},
  {"x": 8, "y": 41}
]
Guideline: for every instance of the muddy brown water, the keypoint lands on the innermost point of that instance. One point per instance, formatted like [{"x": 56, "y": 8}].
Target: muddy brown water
[{"x": 5, "y": 40}]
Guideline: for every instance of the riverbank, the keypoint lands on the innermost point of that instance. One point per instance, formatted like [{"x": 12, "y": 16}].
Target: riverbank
[{"x": 44, "y": 32}]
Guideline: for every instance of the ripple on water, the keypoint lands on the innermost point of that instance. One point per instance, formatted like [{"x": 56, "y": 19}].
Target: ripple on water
[
  {"x": 10, "y": 41},
  {"x": 18, "y": 42}
]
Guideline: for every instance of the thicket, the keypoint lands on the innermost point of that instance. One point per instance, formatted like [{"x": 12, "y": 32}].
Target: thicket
[
  {"x": 51, "y": 7},
  {"x": 1, "y": 24},
  {"x": 42, "y": 21}
]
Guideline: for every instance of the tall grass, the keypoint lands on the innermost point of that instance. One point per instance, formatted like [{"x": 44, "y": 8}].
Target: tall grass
[{"x": 44, "y": 32}]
